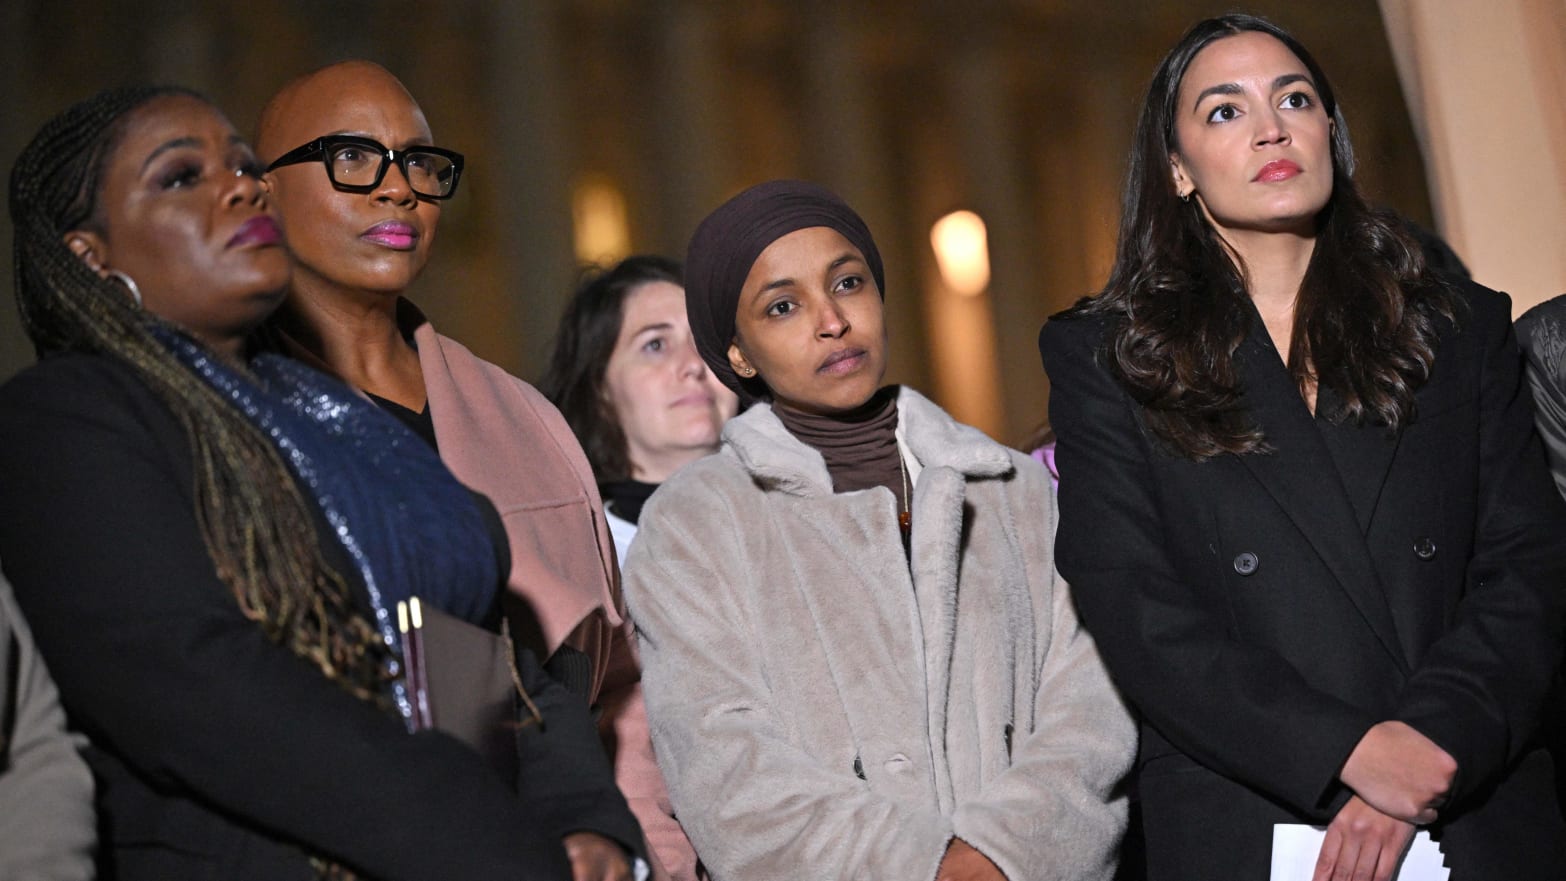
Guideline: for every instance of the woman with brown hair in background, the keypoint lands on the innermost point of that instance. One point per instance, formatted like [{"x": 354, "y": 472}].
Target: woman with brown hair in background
[{"x": 626, "y": 375}]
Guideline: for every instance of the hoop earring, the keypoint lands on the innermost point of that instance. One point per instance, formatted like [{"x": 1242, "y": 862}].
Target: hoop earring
[
  {"x": 1185, "y": 197},
  {"x": 130, "y": 284}
]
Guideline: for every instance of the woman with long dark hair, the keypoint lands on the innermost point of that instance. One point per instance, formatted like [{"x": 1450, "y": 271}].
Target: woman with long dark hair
[
  {"x": 626, "y": 376},
  {"x": 1302, "y": 504},
  {"x": 209, "y": 543}
]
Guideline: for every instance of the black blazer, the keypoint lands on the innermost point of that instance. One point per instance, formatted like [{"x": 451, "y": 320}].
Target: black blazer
[
  {"x": 1263, "y": 611},
  {"x": 220, "y": 755}
]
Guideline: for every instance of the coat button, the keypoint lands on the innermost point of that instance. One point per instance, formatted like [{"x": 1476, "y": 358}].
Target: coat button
[
  {"x": 1246, "y": 563},
  {"x": 1424, "y": 548},
  {"x": 859, "y": 769}
]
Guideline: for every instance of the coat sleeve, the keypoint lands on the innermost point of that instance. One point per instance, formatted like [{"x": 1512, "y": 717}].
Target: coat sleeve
[
  {"x": 158, "y": 666},
  {"x": 47, "y": 828},
  {"x": 563, "y": 767},
  {"x": 623, "y": 722},
  {"x": 755, "y": 805},
  {"x": 1059, "y": 811},
  {"x": 624, "y": 725},
  {"x": 1479, "y": 690},
  {"x": 1238, "y": 708},
  {"x": 1543, "y": 338}
]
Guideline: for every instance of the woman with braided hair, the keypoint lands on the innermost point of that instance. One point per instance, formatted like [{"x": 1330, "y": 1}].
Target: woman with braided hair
[{"x": 207, "y": 542}]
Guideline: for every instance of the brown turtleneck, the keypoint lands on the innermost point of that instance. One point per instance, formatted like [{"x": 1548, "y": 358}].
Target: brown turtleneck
[{"x": 860, "y": 446}]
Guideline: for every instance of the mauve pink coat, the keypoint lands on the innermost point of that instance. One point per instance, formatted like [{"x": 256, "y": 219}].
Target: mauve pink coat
[{"x": 500, "y": 436}]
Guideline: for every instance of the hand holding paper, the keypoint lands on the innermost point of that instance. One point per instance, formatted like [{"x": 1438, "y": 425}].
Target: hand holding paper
[{"x": 1295, "y": 849}]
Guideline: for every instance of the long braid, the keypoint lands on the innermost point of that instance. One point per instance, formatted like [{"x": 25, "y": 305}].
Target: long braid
[{"x": 257, "y": 526}]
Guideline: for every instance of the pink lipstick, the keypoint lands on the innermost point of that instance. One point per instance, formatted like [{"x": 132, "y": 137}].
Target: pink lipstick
[
  {"x": 260, "y": 231},
  {"x": 392, "y": 234},
  {"x": 1276, "y": 170}
]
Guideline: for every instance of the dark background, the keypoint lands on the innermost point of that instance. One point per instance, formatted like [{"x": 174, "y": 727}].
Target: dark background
[{"x": 1018, "y": 109}]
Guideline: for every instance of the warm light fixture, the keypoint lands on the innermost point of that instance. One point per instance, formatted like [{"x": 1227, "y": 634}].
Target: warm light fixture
[
  {"x": 601, "y": 231},
  {"x": 962, "y": 250}
]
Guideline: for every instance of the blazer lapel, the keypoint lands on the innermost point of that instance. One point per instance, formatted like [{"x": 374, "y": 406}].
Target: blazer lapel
[
  {"x": 1301, "y": 476},
  {"x": 1363, "y": 454}
]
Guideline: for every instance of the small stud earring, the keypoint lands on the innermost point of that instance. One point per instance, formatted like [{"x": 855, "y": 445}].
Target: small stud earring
[
  {"x": 130, "y": 284},
  {"x": 747, "y": 371}
]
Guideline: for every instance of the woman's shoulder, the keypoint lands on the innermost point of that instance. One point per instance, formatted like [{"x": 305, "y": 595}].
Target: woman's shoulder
[
  {"x": 701, "y": 482},
  {"x": 86, "y": 371},
  {"x": 1480, "y": 319},
  {"x": 463, "y": 366},
  {"x": 71, "y": 407},
  {"x": 477, "y": 399},
  {"x": 1546, "y": 321},
  {"x": 84, "y": 385},
  {"x": 700, "y": 509},
  {"x": 1075, "y": 332},
  {"x": 939, "y": 439},
  {"x": 1485, "y": 303}
]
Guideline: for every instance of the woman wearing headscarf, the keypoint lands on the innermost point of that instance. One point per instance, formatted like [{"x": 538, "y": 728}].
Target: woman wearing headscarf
[
  {"x": 360, "y": 185},
  {"x": 1303, "y": 504},
  {"x": 859, "y": 659},
  {"x": 209, "y": 544}
]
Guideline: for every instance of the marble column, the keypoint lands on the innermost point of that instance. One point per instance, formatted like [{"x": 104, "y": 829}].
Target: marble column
[
  {"x": 535, "y": 167},
  {"x": 1486, "y": 86},
  {"x": 690, "y": 144},
  {"x": 977, "y": 97},
  {"x": 840, "y": 150}
]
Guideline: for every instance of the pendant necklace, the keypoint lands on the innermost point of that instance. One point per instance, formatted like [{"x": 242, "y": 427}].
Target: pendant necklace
[{"x": 905, "y": 516}]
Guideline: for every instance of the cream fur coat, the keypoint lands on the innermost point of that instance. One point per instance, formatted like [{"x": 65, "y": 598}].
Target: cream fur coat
[{"x": 824, "y": 709}]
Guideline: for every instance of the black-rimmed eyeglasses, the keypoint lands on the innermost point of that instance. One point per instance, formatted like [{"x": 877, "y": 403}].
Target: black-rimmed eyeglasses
[{"x": 359, "y": 164}]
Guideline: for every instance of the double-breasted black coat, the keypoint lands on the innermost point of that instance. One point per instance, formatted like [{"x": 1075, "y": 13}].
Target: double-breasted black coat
[{"x": 1264, "y": 611}]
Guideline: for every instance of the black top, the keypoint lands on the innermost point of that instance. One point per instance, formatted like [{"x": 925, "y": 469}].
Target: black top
[
  {"x": 219, "y": 753},
  {"x": 625, "y": 498},
  {"x": 418, "y": 421}
]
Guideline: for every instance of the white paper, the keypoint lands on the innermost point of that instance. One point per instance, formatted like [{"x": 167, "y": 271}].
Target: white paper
[{"x": 1295, "y": 848}]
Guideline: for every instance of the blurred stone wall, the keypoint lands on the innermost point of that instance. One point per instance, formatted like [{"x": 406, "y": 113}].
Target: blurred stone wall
[{"x": 1020, "y": 110}]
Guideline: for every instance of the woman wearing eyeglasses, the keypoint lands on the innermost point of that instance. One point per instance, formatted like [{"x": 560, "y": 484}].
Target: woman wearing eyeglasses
[
  {"x": 207, "y": 542},
  {"x": 360, "y": 189}
]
